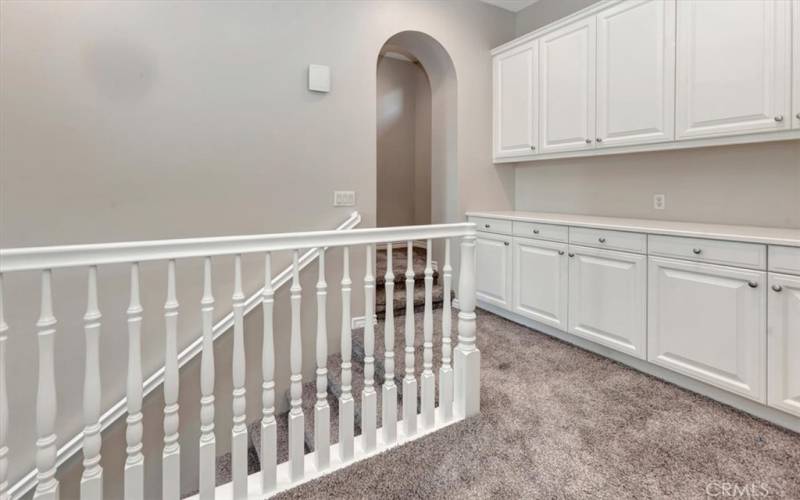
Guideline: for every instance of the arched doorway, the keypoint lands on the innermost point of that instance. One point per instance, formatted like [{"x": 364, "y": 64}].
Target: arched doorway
[{"x": 417, "y": 175}]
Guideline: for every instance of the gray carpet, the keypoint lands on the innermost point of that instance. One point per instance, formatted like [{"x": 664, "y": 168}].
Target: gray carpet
[{"x": 560, "y": 422}]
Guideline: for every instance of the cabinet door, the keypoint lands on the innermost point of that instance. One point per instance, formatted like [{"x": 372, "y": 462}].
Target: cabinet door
[
  {"x": 515, "y": 101},
  {"x": 493, "y": 269},
  {"x": 567, "y": 88},
  {"x": 636, "y": 73},
  {"x": 607, "y": 293},
  {"x": 796, "y": 63},
  {"x": 783, "y": 343},
  {"x": 709, "y": 322},
  {"x": 732, "y": 67},
  {"x": 540, "y": 281}
]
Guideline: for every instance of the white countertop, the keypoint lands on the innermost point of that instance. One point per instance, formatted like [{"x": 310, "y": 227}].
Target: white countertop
[{"x": 752, "y": 234}]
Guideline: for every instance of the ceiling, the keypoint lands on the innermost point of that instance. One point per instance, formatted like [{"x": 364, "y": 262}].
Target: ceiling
[{"x": 512, "y": 5}]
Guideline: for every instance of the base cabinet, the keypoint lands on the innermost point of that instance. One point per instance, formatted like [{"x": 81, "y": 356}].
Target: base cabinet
[
  {"x": 709, "y": 322},
  {"x": 493, "y": 269},
  {"x": 541, "y": 281},
  {"x": 607, "y": 291},
  {"x": 783, "y": 343}
]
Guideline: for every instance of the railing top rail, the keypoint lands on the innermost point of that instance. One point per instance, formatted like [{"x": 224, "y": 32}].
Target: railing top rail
[{"x": 37, "y": 258}]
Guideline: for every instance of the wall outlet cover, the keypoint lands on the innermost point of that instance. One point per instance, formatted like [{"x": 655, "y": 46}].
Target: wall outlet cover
[
  {"x": 659, "y": 201},
  {"x": 319, "y": 78},
  {"x": 344, "y": 198}
]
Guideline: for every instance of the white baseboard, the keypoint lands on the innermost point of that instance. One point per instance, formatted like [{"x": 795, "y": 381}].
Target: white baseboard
[{"x": 755, "y": 409}]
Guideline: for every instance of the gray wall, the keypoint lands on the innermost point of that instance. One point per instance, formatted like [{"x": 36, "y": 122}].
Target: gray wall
[
  {"x": 749, "y": 184},
  {"x": 404, "y": 144},
  {"x": 143, "y": 120}
]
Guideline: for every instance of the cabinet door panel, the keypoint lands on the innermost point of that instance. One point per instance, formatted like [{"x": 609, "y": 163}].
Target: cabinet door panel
[
  {"x": 732, "y": 67},
  {"x": 708, "y": 322},
  {"x": 796, "y": 63},
  {"x": 636, "y": 73},
  {"x": 567, "y": 88},
  {"x": 607, "y": 293},
  {"x": 515, "y": 101},
  {"x": 783, "y": 343},
  {"x": 540, "y": 281},
  {"x": 493, "y": 269}
]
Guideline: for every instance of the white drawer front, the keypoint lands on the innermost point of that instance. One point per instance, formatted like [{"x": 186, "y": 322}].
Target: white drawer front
[
  {"x": 749, "y": 255},
  {"x": 612, "y": 240},
  {"x": 499, "y": 226},
  {"x": 784, "y": 259},
  {"x": 541, "y": 231}
]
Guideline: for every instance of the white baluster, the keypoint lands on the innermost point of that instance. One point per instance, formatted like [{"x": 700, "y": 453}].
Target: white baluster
[
  {"x": 389, "y": 395},
  {"x": 410, "y": 381},
  {"x": 428, "y": 379},
  {"x": 446, "y": 371},
  {"x": 171, "y": 456},
  {"x": 47, "y": 485},
  {"x": 369, "y": 398},
  {"x": 322, "y": 412},
  {"x": 467, "y": 357},
  {"x": 134, "y": 463},
  {"x": 208, "y": 442},
  {"x": 296, "y": 421},
  {"x": 269, "y": 428},
  {"x": 3, "y": 402},
  {"x": 346, "y": 402},
  {"x": 92, "y": 477},
  {"x": 239, "y": 430}
]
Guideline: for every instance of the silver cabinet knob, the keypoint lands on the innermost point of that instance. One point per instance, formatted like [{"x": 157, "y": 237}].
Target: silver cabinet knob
[
  {"x": 697, "y": 251},
  {"x": 779, "y": 118},
  {"x": 571, "y": 254},
  {"x": 506, "y": 243},
  {"x": 561, "y": 252},
  {"x": 777, "y": 288},
  {"x": 599, "y": 139},
  {"x": 487, "y": 226},
  {"x": 588, "y": 141},
  {"x": 533, "y": 148},
  {"x": 752, "y": 284},
  {"x": 535, "y": 231},
  {"x": 798, "y": 116},
  {"x": 601, "y": 240}
]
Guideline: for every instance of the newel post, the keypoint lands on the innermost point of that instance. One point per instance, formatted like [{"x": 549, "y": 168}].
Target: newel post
[{"x": 467, "y": 357}]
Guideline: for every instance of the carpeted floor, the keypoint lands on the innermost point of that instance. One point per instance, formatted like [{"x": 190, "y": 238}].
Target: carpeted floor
[{"x": 560, "y": 422}]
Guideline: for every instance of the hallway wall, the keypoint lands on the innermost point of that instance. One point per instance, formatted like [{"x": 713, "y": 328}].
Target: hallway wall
[{"x": 404, "y": 144}]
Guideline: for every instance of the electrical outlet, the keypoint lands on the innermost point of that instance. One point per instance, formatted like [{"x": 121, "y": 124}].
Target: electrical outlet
[
  {"x": 659, "y": 201},
  {"x": 344, "y": 198}
]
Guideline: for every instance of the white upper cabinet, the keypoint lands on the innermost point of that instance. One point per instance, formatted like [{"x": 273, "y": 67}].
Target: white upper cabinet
[
  {"x": 493, "y": 269},
  {"x": 636, "y": 73},
  {"x": 733, "y": 67},
  {"x": 796, "y": 64},
  {"x": 709, "y": 322},
  {"x": 783, "y": 343},
  {"x": 515, "y": 101},
  {"x": 607, "y": 302},
  {"x": 567, "y": 88}
]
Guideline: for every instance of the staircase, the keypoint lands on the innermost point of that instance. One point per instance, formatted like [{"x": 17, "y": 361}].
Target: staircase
[{"x": 399, "y": 265}]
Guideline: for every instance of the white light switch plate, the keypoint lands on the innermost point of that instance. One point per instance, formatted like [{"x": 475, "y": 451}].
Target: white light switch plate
[
  {"x": 344, "y": 198},
  {"x": 319, "y": 78}
]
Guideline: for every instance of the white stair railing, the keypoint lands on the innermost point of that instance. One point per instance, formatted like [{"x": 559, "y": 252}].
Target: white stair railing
[{"x": 459, "y": 385}]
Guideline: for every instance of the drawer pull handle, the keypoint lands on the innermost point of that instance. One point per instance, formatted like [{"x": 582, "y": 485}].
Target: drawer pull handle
[
  {"x": 571, "y": 254},
  {"x": 752, "y": 284},
  {"x": 561, "y": 252},
  {"x": 779, "y": 118},
  {"x": 777, "y": 288},
  {"x": 487, "y": 226},
  {"x": 601, "y": 240},
  {"x": 533, "y": 148},
  {"x": 535, "y": 231},
  {"x": 697, "y": 251}
]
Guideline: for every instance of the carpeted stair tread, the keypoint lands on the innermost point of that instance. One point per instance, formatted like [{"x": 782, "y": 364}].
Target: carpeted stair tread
[
  {"x": 437, "y": 297},
  {"x": 399, "y": 264}
]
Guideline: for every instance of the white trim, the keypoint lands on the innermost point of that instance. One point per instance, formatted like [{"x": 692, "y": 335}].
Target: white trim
[
  {"x": 751, "y": 407},
  {"x": 38, "y": 258},
  {"x": 359, "y": 322},
  {"x": 784, "y": 135},
  {"x": 119, "y": 408}
]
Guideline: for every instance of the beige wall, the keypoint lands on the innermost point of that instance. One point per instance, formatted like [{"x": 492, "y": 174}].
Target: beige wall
[
  {"x": 403, "y": 143},
  {"x": 142, "y": 120},
  {"x": 749, "y": 184}
]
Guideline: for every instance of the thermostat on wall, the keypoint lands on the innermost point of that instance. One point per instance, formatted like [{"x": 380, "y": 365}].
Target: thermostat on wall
[{"x": 319, "y": 78}]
